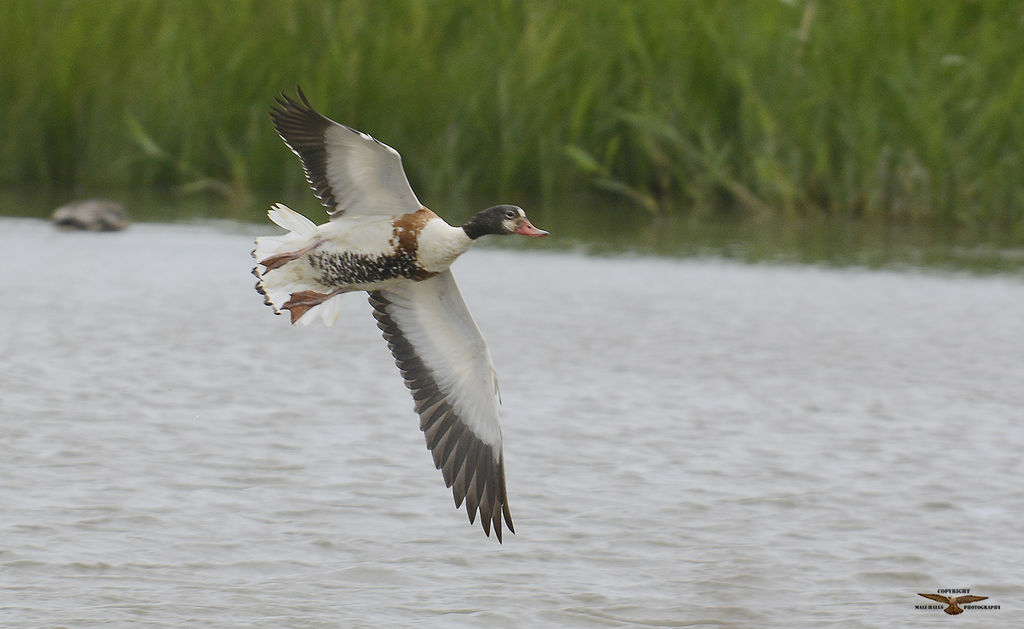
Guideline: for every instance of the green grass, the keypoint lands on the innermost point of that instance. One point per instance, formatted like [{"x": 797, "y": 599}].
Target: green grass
[{"x": 903, "y": 111}]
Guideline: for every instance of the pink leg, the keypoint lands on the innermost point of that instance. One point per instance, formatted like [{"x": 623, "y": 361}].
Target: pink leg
[
  {"x": 300, "y": 302},
  {"x": 281, "y": 259}
]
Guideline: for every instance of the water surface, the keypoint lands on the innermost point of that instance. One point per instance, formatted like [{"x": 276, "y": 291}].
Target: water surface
[
  {"x": 599, "y": 225},
  {"x": 689, "y": 443}
]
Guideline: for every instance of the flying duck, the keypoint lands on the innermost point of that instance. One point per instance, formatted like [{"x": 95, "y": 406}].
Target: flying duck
[{"x": 382, "y": 240}]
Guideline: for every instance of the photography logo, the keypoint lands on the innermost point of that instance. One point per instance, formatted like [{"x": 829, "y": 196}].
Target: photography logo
[{"x": 952, "y": 599}]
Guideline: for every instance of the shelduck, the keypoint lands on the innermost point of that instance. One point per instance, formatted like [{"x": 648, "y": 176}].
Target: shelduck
[{"x": 382, "y": 240}]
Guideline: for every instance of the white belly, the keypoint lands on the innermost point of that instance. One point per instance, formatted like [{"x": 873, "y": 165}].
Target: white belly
[{"x": 361, "y": 235}]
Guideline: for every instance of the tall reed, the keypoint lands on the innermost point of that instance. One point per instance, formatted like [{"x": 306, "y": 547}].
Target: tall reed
[{"x": 898, "y": 109}]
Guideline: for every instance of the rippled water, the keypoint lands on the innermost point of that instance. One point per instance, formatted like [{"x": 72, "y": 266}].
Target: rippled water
[{"x": 689, "y": 443}]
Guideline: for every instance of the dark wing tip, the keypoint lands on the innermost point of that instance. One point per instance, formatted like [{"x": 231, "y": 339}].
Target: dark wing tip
[
  {"x": 302, "y": 128},
  {"x": 298, "y": 90},
  {"x": 469, "y": 466},
  {"x": 286, "y": 103}
]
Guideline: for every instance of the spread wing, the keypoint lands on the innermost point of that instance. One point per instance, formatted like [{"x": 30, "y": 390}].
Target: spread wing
[
  {"x": 349, "y": 171},
  {"x": 970, "y": 598},
  {"x": 444, "y": 360},
  {"x": 936, "y": 597}
]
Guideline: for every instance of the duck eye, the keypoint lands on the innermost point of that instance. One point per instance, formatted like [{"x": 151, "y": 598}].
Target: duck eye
[{"x": 510, "y": 214}]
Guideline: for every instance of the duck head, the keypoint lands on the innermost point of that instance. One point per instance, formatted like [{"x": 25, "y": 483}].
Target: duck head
[{"x": 501, "y": 220}]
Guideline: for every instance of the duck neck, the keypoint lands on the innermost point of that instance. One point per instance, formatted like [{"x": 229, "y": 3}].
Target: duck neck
[
  {"x": 474, "y": 230},
  {"x": 440, "y": 244}
]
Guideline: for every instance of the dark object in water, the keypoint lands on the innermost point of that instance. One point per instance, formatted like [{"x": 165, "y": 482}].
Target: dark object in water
[{"x": 99, "y": 215}]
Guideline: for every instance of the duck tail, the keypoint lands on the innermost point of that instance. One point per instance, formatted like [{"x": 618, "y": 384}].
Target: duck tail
[
  {"x": 274, "y": 251},
  {"x": 284, "y": 275}
]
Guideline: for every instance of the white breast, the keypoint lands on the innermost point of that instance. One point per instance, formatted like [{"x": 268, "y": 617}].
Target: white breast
[{"x": 439, "y": 244}]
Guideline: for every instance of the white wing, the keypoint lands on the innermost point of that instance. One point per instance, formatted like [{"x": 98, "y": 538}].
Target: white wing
[
  {"x": 445, "y": 363},
  {"x": 349, "y": 171}
]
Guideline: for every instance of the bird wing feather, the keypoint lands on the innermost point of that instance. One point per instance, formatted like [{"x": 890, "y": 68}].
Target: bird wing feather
[
  {"x": 349, "y": 171},
  {"x": 446, "y": 365}
]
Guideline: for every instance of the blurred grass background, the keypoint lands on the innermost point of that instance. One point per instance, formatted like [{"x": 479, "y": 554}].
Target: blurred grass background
[{"x": 904, "y": 111}]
